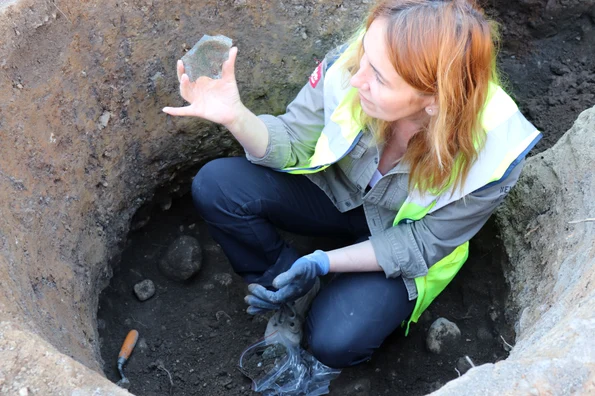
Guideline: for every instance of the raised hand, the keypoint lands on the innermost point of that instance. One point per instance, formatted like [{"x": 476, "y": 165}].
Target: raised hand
[{"x": 214, "y": 100}]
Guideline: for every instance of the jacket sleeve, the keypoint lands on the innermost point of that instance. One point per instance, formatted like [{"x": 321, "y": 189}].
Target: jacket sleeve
[
  {"x": 409, "y": 250},
  {"x": 293, "y": 135}
]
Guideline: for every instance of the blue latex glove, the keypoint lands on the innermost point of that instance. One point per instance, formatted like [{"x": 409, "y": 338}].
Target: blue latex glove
[{"x": 291, "y": 284}]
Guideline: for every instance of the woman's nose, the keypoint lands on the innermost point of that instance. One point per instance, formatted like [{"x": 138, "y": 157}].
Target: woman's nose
[{"x": 359, "y": 81}]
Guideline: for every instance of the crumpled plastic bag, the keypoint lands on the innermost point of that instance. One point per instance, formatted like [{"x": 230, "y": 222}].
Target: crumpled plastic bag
[{"x": 278, "y": 367}]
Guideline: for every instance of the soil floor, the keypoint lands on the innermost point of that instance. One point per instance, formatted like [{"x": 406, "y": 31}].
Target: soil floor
[{"x": 193, "y": 333}]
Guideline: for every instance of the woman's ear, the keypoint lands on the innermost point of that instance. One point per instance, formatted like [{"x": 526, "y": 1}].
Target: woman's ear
[{"x": 431, "y": 106}]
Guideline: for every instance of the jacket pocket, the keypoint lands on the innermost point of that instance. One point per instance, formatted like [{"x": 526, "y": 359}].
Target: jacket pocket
[{"x": 359, "y": 150}]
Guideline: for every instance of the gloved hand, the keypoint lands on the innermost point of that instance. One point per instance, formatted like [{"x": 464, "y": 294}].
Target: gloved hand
[{"x": 291, "y": 284}]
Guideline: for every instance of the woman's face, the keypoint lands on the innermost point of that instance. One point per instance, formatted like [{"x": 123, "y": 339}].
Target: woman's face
[{"x": 383, "y": 93}]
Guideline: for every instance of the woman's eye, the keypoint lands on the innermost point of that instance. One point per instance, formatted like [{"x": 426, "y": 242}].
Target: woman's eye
[{"x": 378, "y": 79}]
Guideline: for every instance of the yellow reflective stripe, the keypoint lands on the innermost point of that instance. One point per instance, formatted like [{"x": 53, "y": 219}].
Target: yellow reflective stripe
[
  {"x": 498, "y": 109},
  {"x": 322, "y": 153},
  {"x": 343, "y": 116},
  {"x": 512, "y": 155},
  {"x": 304, "y": 171},
  {"x": 413, "y": 211},
  {"x": 438, "y": 277}
]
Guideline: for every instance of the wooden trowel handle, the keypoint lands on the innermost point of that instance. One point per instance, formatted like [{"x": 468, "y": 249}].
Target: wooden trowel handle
[{"x": 128, "y": 345}]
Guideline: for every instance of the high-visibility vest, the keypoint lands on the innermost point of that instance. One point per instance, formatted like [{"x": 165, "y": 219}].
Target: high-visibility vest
[{"x": 509, "y": 138}]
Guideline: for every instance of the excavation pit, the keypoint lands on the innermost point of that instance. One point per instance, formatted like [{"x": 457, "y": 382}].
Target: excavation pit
[{"x": 84, "y": 145}]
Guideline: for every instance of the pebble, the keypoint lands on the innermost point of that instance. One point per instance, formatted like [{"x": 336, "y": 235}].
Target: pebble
[
  {"x": 144, "y": 289},
  {"x": 223, "y": 278},
  {"x": 442, "y": 335},
  {"x": 142, "y": 344},
  {"x": 183, "y": 259},
  {"x": 104, "y": 119},
  {"x": 165, "y": 203}
]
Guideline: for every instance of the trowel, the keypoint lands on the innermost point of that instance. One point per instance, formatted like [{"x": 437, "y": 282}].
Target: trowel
[{"x": 125, "y": 351}]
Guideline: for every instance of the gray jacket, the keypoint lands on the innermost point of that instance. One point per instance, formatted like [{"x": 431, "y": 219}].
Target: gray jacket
[{"x": 406, "y": 250}]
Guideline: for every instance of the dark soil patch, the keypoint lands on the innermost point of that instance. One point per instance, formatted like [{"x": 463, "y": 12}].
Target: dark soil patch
[
  {"x": 197, "y": 330},
  {"x": 548, "y": 61}
]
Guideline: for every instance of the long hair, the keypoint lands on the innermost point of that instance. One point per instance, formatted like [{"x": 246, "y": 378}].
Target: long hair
[{"x": 445, "y": 48}]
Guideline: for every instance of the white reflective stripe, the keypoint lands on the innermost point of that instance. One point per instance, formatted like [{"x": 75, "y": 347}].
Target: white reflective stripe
[
  {"x": 513, "y": 155},
  {"x": 498, "y": 109},
  {"x": 503, "y": 145}
]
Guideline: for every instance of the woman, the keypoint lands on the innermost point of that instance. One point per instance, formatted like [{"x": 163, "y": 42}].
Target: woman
[{"x": 402, "y": 142}]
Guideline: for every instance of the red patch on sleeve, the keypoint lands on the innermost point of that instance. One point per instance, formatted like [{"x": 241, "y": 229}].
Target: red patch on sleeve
[{"x": 316, "y": 76}]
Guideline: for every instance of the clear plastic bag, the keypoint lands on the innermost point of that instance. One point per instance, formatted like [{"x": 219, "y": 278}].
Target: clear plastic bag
[{"x": 277, "y": 367}]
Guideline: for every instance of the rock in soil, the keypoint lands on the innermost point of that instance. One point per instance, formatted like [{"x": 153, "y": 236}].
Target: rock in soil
[
  {"x": 144, "y": 290},
  {"x": 182, "y": 259},
  {"x": 223, "y": 278},
  {"x": 443, "y": 335}
]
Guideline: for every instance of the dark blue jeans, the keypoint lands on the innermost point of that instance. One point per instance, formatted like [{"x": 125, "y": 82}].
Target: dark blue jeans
[{"x": 243, "y": 204}]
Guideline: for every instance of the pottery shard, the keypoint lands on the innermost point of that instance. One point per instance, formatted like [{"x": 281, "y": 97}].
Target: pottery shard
[
  {"x": 206, "y": 57},
  {"x": 182, "y": 259}
]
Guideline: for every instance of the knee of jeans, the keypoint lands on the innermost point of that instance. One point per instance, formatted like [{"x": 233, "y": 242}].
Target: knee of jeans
[
  {"x": 333, "y": 350},
  {"x": 205, "y": 190}
]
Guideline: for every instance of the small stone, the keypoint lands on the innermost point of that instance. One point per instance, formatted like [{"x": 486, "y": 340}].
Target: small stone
[
  {"x": 139, "y": 223},
  {"x": 559, "y": 69},
  {"x": 222, "y": 315},
  {"x": 494, "y": 315},
  {"x": 165, "y": 203},
  {"x": 142, "y": 344},
  {"x": 144, "y": 290},
  {"x": 223, "y": 278},
  {"x": 24, "y": 392},
  {"x": 206, "y": 57},
  {"x": 182, "y": 259},
  {"x": 104, "y": 119},
  {"x": 20, "y": 86},
  {"x": 442, "y": 335}
]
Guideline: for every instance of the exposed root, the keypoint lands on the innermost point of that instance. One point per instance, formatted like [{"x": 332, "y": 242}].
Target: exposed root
[
  {"x": 506, "y": 344},
  {"x": 581, "y": 221}
]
